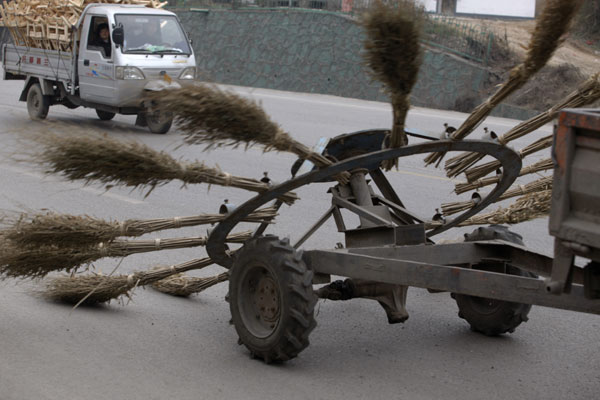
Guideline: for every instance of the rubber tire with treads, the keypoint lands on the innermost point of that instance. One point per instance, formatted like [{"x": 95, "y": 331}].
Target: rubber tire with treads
[
  {"x": 488, "y": 316},
  {"x": 159, "y": 121},
  {"x": 105, "y": 115},
  {"x": 273, "y": 260},
  {"x": 37, "y": 104}
]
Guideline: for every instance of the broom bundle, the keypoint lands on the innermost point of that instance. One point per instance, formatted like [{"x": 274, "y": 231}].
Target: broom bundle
[
  {"x": 551, "y": 26},
  {"x": 528, "y": 207},
  {"x": 94, "y": 289},
  {"x": 393, "y": 53},
  {"x": 210, "y": 116},
  {"x": 68, "y": 230},
  {"x": 184, "y": 286},
  {"x": 539, "y": 166},
  {"x": 37, "y": 261},
  {"x": 109, "y": 161},
  {"x": 482, "y": 170},
  {"x": 539, "y": 185},
  {"x": 587, "y": 93}
]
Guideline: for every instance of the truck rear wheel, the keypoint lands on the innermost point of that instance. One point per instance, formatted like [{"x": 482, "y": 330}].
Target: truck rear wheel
[
  {"x": 37, "y": 104},
  {"x": 271, "y": 299},
  {"x": 159, "y": 121},
  {"x": 489, "y": 316},
  {"x": 105, "y": 115}
]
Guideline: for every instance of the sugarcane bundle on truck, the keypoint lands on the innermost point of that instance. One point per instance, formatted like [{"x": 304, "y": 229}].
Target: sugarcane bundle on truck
[{"x": 101, "y": 56}]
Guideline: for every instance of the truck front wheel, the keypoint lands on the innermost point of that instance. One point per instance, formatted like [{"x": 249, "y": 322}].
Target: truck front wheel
[
  {"x": 159, "y": 121},
  {"x": 37, "y": 104},
  {"x": 105, "y": 115}
]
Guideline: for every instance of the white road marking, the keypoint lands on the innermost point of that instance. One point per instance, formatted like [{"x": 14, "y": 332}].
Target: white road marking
[{"x": 87, "y": 189}]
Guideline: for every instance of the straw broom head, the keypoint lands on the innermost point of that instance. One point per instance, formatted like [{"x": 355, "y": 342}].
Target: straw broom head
[
  {"x": 552, "y": 24},
  {"x": 36, "y": 262},
  {"x": 94, "y": 289},
  {"x": 393, "y": 50},
  {"x": 184, "y": 286},
  {"x": 103, "y": 159},
  {"x": 393, "y": 53},
  {"x": 97, "y": 288}
]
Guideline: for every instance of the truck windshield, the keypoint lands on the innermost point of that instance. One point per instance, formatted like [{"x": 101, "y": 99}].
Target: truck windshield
[{"x": 148, "y": 34}]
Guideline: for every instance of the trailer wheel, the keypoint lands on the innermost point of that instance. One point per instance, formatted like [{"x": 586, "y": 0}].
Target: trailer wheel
[
  {"x": 105, "y": 115},
  {"x": 159, "y": 121},
  {"x": 488, "y": 316},
  {"x": 37, "y": 104},
  {"x": 271, "y": 299}
]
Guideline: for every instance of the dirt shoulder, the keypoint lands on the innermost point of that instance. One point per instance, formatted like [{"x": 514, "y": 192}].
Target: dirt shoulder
[{"x": 585, "y": 55}]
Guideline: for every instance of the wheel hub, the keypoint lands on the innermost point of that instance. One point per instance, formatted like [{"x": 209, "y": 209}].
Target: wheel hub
[{"x": 266, "y": 299}]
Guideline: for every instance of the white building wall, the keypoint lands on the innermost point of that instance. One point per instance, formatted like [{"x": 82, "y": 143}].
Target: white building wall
[
  {"x": 508, "y": 8},
  {"x": 430, "y": 5}
]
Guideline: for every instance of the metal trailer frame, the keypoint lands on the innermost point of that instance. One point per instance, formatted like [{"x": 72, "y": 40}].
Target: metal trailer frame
[{"x": 399, "y": 250}]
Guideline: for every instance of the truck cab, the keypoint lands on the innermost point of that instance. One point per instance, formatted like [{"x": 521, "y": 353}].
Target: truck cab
[{"x": 145, "y": 49}]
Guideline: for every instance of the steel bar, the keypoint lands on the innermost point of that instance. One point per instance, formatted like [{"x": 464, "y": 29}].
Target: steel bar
[{"x": 451, "y": 279}]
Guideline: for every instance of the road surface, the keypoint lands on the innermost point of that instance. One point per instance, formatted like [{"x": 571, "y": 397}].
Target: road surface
[{"x": 157, "y": 347}]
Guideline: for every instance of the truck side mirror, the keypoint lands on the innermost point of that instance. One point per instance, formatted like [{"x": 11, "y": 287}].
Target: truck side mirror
[{"x": 118, "y": 35}]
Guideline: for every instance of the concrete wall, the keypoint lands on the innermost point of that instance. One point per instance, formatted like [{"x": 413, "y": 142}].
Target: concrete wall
[{"x": 315, "y": 52}]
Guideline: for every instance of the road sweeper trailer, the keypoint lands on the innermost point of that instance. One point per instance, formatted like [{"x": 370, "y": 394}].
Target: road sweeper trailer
[{"x": 492, "y": 276}]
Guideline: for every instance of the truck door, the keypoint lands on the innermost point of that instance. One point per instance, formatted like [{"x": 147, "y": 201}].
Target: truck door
[{"x": 96, "y": 69}]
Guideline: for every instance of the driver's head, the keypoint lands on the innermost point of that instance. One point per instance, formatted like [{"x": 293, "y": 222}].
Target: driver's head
[{"x": 103, "y": 32}]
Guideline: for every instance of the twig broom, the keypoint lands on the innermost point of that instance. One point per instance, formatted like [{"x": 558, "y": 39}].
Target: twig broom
[
  {"x": 109, "y": 161},
  {"x": 539, "y": 166},
  {"x": 482, "y": 170},
  {"x": 539, "y": 185},
  {"x": 33, "y": 261},
  {"x": 587, "y": 93},
  {"x": 208, "y": 115},
  {"x": 94, "y": 289},
  {"x": 68, "y": 230}
]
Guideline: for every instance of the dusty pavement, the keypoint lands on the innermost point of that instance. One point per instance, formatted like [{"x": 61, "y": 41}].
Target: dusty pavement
[{"x": 159, "y": 347}]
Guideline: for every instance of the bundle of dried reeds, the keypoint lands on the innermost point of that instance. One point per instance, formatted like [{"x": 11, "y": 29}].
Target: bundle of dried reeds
[
  {"x": 551, "y": 26},
  {"x": 211, "y": 116},
  {"x": 37, "y": 261},
  {"x": 109, "y": 161},
  {"x": 587, "y": 93},
  {"x": 539, "y": 166},
  {"x": 94, "y": 289},
  {"x": 539, "y": 185},
  {"x": 528, "y": 207},
  {"x": 489, "y": 167},
  {"x": 184, "y": 286},
  {"x": 393, "y": 52},
  {"x": 71, "y": 230}
]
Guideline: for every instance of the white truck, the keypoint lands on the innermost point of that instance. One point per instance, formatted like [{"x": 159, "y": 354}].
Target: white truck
[{"x": 146, "y": 49}]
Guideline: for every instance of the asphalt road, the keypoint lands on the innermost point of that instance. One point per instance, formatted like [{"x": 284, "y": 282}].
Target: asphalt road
[{"x": 157, "y": 347}]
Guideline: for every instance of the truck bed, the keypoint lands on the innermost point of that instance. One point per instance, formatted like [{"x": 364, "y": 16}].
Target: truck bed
[{"x": 47, "y": 64}]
